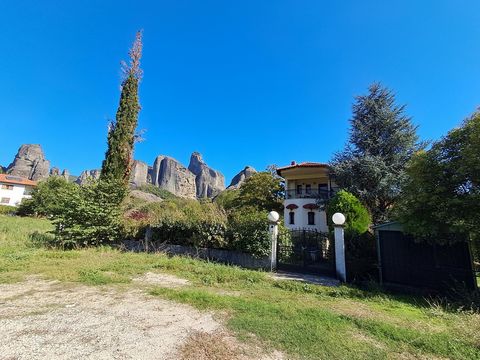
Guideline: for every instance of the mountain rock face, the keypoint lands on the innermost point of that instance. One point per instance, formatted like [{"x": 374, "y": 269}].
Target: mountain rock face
[
  {"x": 209, "y": 182},
  {"x": 139, "y": 174},
  {"x": 66, "y": 174},
  {"x": 171, "y": 175},
  {"x": 30, "y": 163},
  {"x": 87, "y": 175},
  {"x": 240, "y": 178}
]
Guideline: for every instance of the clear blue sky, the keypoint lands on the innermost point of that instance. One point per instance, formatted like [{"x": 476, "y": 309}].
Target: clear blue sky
[{"x": 243, "y": 82}]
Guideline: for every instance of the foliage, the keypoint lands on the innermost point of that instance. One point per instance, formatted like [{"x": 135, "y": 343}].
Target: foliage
[
  {"x": 121, "y": 134},
  {"x": 7, "y": 210},
  {"x": 248, "y": 232},
  {"x": 227, "y": 199},
  {"x": 381, "y": 142},
  {"x": 261, "y": 191},
  {"x": 442, "y": 196},
  {"x": 47, "y": 197},
  {"x": 91, "y": 214},
  {"x": 357, "y": 217},
  {"x": 155, "y": 190}
]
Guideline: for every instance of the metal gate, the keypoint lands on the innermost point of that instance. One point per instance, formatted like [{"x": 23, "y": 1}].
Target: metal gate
[{"x": 307, "y": 251}]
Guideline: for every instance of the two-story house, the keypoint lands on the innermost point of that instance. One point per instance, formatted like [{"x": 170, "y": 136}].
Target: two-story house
[
  {"x": 307, "y": 185},
  {"x": 13, "y": 189}
]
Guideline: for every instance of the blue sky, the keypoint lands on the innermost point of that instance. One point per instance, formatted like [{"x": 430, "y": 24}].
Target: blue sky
[{"x": 243, "y": 82}]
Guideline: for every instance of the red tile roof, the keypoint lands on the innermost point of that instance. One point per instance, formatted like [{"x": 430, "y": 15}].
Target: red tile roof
[
  {"x": 302, "y": 165},
  {"x": 11, "y": 179}
]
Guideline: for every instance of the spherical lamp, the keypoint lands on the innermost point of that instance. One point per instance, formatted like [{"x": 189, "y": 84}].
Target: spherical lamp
[
  {"x": 338, "y": 219},
  {"x": 273, "y": 216}
]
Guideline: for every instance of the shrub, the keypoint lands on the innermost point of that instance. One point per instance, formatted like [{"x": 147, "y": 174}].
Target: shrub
[
  {"x": 227, "y": 199},
  {"x": 155, "y": 190},
  {"x": 7, "y": 210},
  {"x": 91, "y": 214},
  {"x": 248, "y": 231},
  {"x": 357, "y": 217},
  {"x": 47, "y": 198}
]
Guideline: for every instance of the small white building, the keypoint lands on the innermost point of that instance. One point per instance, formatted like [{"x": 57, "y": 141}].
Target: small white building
[
  {"x": 307, "y": 185},
  {"x": 13, "y": 189}
]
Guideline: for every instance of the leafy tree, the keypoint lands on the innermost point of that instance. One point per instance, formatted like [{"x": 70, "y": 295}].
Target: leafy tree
[
  {"x": 47, "y": 197},
  {"x": 357, "y": 217},
  {"x": 261, "y": 191},
  {"x": 442, "y": 196},
  {"x": 227, "y": 198},
  {"x": 91, "y": 214},
  {"x": 121, "y": 134},
  {"x": 381, "y": 142}
]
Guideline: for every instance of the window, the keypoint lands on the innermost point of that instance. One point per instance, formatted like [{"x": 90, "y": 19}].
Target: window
[
  {"x": 322, "y": 187},
  {"x": 7, "y": 187},
  {"x": 311, "y": 218},
  {"x": 308, "y": 189},
  {"x": 5, "y": 200},
  {"x": 299, "y": 189},
  {"x": 292, "y": 218}
]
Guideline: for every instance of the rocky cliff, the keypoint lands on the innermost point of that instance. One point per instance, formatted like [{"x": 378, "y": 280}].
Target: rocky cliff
[
  {"x": 171, "y": 175},
  {"x": 240, "y": 178},
  {"x": 139, "y": 174},
  {"x": 30, "y": 163},
  {"x": 87, "y": 175},
  {"x": 209, "y": 182}
]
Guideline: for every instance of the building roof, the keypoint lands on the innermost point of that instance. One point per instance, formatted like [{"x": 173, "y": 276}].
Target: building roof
[
  {"x": 11, "y": 179},
  {"x": 305, "y": 164}
]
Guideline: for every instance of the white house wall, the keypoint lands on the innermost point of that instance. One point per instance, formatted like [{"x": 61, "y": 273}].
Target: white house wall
[
  {"x": 15, "y": 195},
  {"x": 301, "y": 216}
]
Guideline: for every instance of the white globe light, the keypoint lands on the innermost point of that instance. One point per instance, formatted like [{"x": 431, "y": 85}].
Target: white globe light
[
  {"x": 338, "y": 219},
  {"x": 273, "y": 216}
]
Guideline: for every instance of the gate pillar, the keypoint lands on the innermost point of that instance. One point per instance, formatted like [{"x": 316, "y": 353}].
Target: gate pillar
[
  {"x": 273, "y": 218},
  {"x": 339, "y": 220}
]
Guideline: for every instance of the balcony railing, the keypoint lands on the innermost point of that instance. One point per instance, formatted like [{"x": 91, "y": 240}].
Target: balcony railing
[{"x": 309, "y": 194}]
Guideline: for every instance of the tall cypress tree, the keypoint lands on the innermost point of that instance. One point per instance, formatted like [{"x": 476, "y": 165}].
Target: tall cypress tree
[
  {"x": 121, "y": 133},
  {"x": 381, "y": 142}
]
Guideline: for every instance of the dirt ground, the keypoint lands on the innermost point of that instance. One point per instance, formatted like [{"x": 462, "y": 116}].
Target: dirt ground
[{"x": 51, "y": 320}]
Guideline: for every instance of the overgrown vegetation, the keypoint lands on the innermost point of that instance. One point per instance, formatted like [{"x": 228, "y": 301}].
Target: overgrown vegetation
[
  {"x": 155, "y": 190},
  {"x": 442, "y": 196},
  {"x": 302, "y": 320}
]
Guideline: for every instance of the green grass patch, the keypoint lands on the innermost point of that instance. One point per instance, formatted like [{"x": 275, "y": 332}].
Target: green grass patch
[{"x": 302, "y": 320}]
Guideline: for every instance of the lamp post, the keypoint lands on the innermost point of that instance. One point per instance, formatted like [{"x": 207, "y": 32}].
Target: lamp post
[
  {"x": 340, "y": 266},
  {"x": 273, "y": 218}
]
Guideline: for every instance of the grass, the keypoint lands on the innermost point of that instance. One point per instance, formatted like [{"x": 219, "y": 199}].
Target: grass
[{"x": 303, "y": 321}]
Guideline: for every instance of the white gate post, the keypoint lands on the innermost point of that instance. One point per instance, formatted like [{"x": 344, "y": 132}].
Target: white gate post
[
  {"x": 339, "y": 220},
  {"x": 273, "y": 231}
]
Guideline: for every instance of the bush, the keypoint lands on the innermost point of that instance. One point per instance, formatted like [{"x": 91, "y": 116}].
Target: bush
[
  {"x": 357, "y": 217},
  {"x": 227, "y": 199},
  {"x": 155, "y": 190},
  {"x": 47, "y": 198},
  {"x": 7, "y": 210},
  {"x": 248, "y": 232},
  {"x": 90, "y": 214}
]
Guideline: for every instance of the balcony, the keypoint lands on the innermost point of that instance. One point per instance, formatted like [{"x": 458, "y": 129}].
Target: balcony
[{"x": 309, "y": 194}]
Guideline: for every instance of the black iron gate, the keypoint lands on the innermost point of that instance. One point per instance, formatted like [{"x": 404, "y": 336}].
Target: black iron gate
[{"x": 306, "y": 251}]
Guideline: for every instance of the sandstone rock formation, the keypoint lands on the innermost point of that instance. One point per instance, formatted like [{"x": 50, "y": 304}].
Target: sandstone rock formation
[
  {"x": 54, "y": 171},
  {"x": 139, "y": 174},
  {"x": 240, "y": 178},
  {"x": 87, "y": 175},
  {"x": 66, "y": 174},
  {"x": 169, "y": 174},
  {"x": 30, "y": 163},
  {"x": 209, "y": 182}
]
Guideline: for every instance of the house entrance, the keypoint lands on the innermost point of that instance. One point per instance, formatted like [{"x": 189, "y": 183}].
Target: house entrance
[{"x": 307, "y": 251}]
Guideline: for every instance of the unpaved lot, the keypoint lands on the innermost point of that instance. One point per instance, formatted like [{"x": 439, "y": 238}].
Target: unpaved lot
[{"x": 51, "y": 320}]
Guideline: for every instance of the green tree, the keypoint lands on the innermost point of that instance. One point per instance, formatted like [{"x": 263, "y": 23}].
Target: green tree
[
  {"x": 47, "y": 197},
  {"x": 382, "y": 140},
  {"x": 261, "y": 191},
  {"x": 121, "y": 134},
  {"x": 357, "y": 217},
  {"x": 442, "y": 196}
]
